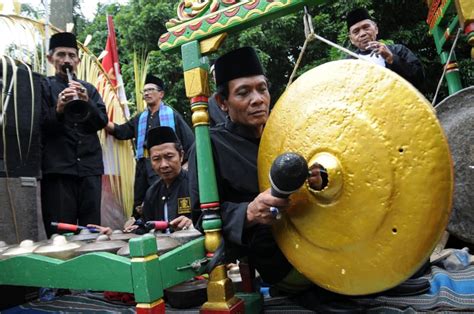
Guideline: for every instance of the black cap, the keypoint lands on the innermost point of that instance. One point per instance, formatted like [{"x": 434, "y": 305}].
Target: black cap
[
  {"x": 161, "y": 135},
  {"x": 357, "y": 15},
  {"x": 150, "y": 79},
  {"x": 238, "y": 63},
  {"x": 63, "y": 40}
]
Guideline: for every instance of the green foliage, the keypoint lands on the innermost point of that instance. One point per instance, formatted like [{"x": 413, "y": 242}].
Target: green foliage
[
  {"x": 138, "y": 27},
  {"x": 98, "y": 28},
  {"x": 77, "y": 17},
  {"x": 32, "y": 12},
  {"x": 140, "y": 23}
]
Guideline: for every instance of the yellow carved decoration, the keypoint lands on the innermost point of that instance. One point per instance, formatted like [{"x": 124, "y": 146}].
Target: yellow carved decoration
[
  {"x": 200, "y": 115},
  {"x": 465, "y": 10},
  {"x": 220, "y": 291},
  {"x": 212, "y": 240},
  {"x": 196, "y": 82},
  {"x": 212, "y": 44}
]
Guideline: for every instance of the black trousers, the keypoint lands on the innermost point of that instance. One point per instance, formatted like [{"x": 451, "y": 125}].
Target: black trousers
[
  {"x": 70, "y": 199},
  {"x": 144, "y": 178}
]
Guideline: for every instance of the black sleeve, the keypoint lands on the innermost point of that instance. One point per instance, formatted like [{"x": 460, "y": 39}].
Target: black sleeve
[
  {"x": 194, "y": 187},
  {"x": 126, "y": 131},
  {"x": 233, "y": 215},
  {"x": 97, "y": 111},
  {"x": 51, "y": 121},
  {"x": 184, "y": 133},
  {"x": 147, "y": 210},
  {"x": 407, "y": 65}
]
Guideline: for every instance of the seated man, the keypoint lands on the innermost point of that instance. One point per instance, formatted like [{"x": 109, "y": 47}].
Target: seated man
[
  {"x": 167, "y": 199},
  {"x": 157, "y": 114},
  {"x": 363, "y": 33},
  {"x": 247, "y": 218},
  {"x": 242, "y": 91}
]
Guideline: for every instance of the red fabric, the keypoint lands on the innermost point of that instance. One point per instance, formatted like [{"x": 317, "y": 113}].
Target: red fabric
[
  {"x": 112, "y": 53},
  {"x": 124, "y": 297},
  {"x": 111, "y": 65}
]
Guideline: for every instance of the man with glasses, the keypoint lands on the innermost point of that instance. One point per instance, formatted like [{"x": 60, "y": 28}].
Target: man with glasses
[{"x": 157, "y": 114}]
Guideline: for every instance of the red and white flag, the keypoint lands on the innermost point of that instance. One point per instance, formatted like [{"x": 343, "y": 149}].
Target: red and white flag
[{"x": 111, "y": 65}]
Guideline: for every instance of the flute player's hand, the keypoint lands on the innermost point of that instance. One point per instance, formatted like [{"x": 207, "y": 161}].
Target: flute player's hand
[{"x": 79, "y": 90}]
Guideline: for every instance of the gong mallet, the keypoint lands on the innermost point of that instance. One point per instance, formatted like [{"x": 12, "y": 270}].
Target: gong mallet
[
  {"x": 73, "y": 228},
  {"x": 156, "y": 224},
  {"x": 287, "y": 174}
]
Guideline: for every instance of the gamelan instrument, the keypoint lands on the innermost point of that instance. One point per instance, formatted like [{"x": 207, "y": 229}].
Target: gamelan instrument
[
  {"x": 120, "y": 235},
  {"x": 60, "y": 248},
  {"x": 67, "y": 247},
  {"x": 187, "y": 294},
  {"x": 84, "y": 235},
  {"x": 164, "y": 243},
  {"x": 3, "y": 247},
  {"x": 456, "y": 114},
  {"x": 25, "y": 247},
  {"x": 389, "y": 171},
  {"x": 184, "y": 236},
  {"x": 103, "y": 243}
]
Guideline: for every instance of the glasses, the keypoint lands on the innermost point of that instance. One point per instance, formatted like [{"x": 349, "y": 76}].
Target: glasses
[{"x": 149, "y": 90}]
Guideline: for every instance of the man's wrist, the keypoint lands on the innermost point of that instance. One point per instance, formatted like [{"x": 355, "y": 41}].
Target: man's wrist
[{"x": 249, "y": 218}]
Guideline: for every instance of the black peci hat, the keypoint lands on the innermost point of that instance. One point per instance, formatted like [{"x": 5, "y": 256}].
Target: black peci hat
[
  {"x": 63, "y": 40},
  {"x": 161, "y": 135},
  {"x": 357, "y": 15},
  {"x": 150, "y": 79},
  {"x": 238, "y": 63}
]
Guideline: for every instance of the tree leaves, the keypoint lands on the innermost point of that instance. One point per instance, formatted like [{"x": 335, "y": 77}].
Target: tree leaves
[{"x": 140, "y": 24}]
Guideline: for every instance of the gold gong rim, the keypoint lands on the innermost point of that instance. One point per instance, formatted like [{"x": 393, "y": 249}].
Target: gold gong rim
[{"x": 390, "y": 176}]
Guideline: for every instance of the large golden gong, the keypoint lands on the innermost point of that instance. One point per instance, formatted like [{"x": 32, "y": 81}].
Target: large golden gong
[{"x": 390, "y": 186}]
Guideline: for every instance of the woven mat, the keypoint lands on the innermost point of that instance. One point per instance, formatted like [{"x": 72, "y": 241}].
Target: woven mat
[{"x": 449, "y": 292}]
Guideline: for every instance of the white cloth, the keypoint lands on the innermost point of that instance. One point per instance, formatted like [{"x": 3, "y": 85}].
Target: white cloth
[{"x": 373, "y": 58}]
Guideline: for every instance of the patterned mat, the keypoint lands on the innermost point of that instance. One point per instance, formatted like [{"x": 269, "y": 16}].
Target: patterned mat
[{"x": 450, "y": 291}]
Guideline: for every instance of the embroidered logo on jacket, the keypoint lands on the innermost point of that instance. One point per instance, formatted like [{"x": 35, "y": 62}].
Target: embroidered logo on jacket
[{"x": 184, "y": 205}]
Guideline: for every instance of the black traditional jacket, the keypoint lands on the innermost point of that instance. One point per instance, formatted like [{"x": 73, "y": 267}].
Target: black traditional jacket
[
  {"x": 176, "y": 197},
  {"x": 69, "y": 147},
  {"x": 405, "y": 64},
  {"x": 235, "y": 157}
]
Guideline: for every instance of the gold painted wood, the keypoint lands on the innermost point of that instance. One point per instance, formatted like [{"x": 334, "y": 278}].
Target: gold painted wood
[
  {"x": 196, "y": 82},
  {"x": 200, "y": 115},
  {"x": 220, "y": 292},
  {"x": 212, "y": 44},
  {"x": 465, "y": 10},
  {"x": 390, "y": 176}
]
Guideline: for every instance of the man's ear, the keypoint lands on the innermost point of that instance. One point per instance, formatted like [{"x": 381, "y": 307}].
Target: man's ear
[
  {"x": 352, "y": 41},
  {"x": 181, "y": 157},
  {"x": 221, "y": 102},
  {"x": 376, "y": 30},
  {"x": 50, "y": 58}
]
